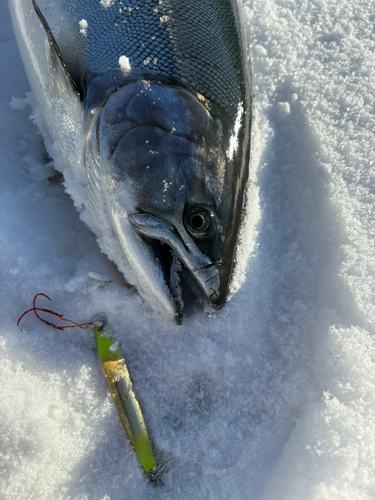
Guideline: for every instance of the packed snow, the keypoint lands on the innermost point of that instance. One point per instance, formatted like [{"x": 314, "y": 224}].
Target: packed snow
[{"x": 273, "y": 397}]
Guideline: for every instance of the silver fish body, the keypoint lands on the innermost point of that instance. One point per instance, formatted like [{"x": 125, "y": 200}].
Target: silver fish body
[{"x": 145, "y": 106}]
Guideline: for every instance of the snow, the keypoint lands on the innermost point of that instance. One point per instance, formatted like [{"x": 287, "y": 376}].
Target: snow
[
  {"x": 283, "y": 108},
  {"x": 98, "y": 276},
  {"x": 83, "y": 25},
  {"x": 273, "y": 397},
  {"x": 106, "y": 4},
  {"x": 113, "y": 347},
  {"x": 124, "y": 64}
]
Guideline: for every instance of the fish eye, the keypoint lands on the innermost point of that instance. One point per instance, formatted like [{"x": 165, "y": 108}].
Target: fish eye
[{"x": 199, "y": 222}]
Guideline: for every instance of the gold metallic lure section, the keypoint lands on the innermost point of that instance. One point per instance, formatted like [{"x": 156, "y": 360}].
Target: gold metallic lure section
[{"x": 128, "y": 407}]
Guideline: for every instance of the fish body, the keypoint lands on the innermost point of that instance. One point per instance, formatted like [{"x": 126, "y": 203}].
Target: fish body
[{"x": 145, "y": 105}]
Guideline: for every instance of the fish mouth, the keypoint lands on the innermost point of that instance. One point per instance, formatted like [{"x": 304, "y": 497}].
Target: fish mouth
[{"x": 174, "y": 250}]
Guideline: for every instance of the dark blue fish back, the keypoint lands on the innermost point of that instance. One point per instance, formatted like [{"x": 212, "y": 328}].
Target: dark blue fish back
[{"x": 196, "y": 42}]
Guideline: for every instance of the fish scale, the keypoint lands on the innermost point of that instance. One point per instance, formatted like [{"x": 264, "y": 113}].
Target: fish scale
[{"x": 194, "y": 42}]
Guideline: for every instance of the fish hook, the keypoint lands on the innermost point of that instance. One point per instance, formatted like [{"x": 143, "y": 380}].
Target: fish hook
[{"x": 73, "y": 324}]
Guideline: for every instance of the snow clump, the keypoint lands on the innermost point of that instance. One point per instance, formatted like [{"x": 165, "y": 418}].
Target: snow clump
[
  {"x": 106, "y": 3},
  {"x": 124, "y": 65},
  {"x": 83, "y": 25}
]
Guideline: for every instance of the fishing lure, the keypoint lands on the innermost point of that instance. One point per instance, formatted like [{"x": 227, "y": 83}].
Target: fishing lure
[
  {"x": 119, "y": 382},
  {"x": 121, "y": 387}
]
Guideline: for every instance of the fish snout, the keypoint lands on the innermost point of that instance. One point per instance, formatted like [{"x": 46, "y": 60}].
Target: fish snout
[{"x": 183, "y": 247}]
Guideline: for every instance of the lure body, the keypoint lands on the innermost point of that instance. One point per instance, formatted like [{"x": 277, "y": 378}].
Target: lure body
[
  {"x": 121, "y": 387},
  {"x": 146, "y": 108}
]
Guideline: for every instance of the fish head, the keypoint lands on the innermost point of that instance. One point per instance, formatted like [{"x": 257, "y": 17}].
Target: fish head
[{"x": 171, "y": 190}]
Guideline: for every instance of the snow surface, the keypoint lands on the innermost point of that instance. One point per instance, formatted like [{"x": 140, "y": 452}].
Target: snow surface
[{"x": 273, "y": 397}]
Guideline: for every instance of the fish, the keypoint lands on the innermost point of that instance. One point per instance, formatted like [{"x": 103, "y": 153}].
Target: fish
[{"x": 146, "y": 108}]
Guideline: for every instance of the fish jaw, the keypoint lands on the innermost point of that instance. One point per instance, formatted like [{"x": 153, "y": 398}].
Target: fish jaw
[
  {"x": 146, "y": 267},
  {"x": 197, "y": 263}
]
